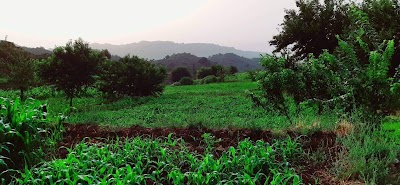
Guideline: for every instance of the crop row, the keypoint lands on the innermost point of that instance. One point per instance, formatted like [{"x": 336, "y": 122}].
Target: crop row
[{"x": 169, "y": 161}]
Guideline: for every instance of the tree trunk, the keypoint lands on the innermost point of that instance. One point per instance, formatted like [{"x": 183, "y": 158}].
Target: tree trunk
[
  {"x": 70, "y": 101},
  {"x": 21, "y": 94}
]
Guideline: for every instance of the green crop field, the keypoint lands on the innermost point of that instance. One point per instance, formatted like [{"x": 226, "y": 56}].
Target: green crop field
[
  {"x": 221, "y": 105},
  {"x": 323, "y": 107},
  {"x": 213, "y": 105}
]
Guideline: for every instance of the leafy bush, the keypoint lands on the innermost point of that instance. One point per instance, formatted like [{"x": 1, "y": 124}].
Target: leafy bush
[
  {"x": 179, "y": 73},
  {"x": 71, "y": 68},
  {"x": 216, "y": 70},
  {"x": 209, "y": 79},
  {"x": 203, "y": 72},
  {"x": 131, "y": 76},
  {"x": 233, "y": 70},
  {"x": 186, "y": 81},
  {"x": 252, "y": 75},
  {"x": 25, "y": 134}
]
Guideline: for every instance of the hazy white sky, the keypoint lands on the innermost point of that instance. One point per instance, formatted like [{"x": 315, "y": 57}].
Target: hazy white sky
[{"x": 243, "y": 24}]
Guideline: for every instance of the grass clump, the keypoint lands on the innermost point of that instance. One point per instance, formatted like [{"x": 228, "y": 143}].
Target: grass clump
[{"x": 369, "y": 154}]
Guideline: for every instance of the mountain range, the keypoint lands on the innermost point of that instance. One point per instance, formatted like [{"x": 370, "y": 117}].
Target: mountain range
[
  {"x": 173, "y": 55},
  {"x": 159, "y": 49}
]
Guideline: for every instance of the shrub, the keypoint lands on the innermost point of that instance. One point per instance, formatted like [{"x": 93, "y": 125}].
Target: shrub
[
  {"x": 252, "y": 75},
  {"x": 216, "y": 70},
  {"x": 209, "y": 79},
  {"x": 179, "y": 73},
  {"x": 186, "y": 81},
  {"x": 131, "y": 76},
  {"x": 203, "y": 72},
  {"x": 233, "y": 70}
]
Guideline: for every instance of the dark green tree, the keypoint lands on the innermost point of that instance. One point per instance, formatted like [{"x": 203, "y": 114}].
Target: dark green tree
[
  {"x": 131, "y": 76},
  {"x": 71, "y": 68},
  {"x": 203, "y": 72},
  {"x": 18, "y": 66},
  {"x": 180, "y": 72},
  {"x": 312, "y": 27},
  {"x": 233, "y": 69}
]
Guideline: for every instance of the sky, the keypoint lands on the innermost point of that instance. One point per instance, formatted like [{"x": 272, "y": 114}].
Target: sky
[{"x": 243, "y": 24}]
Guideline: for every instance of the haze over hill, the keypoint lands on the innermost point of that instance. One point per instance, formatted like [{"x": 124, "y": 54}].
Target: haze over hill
[
  {"x": 193, "y": 62},
  {"x": 159, "y": 49}
]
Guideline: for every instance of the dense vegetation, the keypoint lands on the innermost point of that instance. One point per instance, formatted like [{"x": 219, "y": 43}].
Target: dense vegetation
[
  {"x": 328, "y": 102},
  {"x": 26, "y": 135},
  {"x": 140, "y": 161},
  {"x": 131, "y": 76}
]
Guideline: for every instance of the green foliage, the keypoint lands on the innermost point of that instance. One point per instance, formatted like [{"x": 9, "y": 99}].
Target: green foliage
[
  {"x": 25, "y": 134},
  {"x": 186, "y": 81},
  {"x": 19, "y": 65},
  {"x": 216, "y": 70},
  {"x": 277, "y": 84},
  {"x": 312, "y": 27},
  {"x": 169, "y": 161},
  {"x": 179, "y": 73},
  {"x": 131, "y": 76},
  {"x": 71, "y": 68},
  {"x": 209, "y": 79},
  {"x": 252, "y": 75},
  {"x": 216, "y": 105},
  {"x": 203, "y": 72},
  {"x": 232, "y": 70},
  {"x": 339, "y": 80}
]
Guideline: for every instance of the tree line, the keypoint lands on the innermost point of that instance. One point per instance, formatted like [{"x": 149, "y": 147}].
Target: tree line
[{"x": 75, "y": 66}]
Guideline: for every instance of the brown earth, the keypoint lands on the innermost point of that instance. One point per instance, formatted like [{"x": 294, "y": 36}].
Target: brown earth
[{"x": 324, "y": 142}]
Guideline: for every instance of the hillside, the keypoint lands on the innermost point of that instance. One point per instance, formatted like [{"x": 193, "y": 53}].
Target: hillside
[
  {"x": 37, "y": 50},
  {"x": 191, "y": 61},
  {"x": 184, "y": 60},
  {"x": 159, "y": 49},
  {"x": 242, "y": 63}
]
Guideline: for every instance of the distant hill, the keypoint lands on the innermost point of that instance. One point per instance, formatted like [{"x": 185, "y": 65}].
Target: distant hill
[
  {"x": 193, "y": 62},
  {"x": 159, "y": 49},
  {"x": 184, "y": 60},
  {"x": 37, "y": 50},
  {"x": 242, "y": 63}
]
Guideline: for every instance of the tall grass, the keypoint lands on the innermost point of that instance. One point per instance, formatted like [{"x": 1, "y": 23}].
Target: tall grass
[{"x": 368, "y": 154}]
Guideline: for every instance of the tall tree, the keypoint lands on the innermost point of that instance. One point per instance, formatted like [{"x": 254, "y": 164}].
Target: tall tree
[
  {"x": 312, "y": 28},
  {"x": 18, "y": 67},
  {"x": 71, "y": 68}
]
